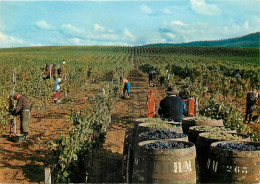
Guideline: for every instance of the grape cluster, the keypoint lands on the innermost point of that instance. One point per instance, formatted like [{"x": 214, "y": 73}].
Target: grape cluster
[
  {"x": 222, "y": 136},
  {"x": 205, "y": 128},
  {"x": 161, "y": 125},
  {"x": 166, "y": 145},
  {"x": 238, "y": 147},
  {"x": 162, "y": 134}
]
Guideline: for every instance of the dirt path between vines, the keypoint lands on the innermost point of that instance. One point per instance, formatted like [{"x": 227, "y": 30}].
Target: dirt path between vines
[
  {"x": 109, "y": 162},
  {"x": 24, "y": 162}
]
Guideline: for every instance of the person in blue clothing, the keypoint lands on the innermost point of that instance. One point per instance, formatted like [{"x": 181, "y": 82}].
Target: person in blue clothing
[
  {"x": 125, "y": 87},
  {"x": 168, "y": 74},
  {"x": 172, "y": 107}
]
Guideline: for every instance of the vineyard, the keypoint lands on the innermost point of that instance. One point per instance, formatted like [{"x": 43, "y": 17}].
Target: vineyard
[{"x": 82, "y": 138}]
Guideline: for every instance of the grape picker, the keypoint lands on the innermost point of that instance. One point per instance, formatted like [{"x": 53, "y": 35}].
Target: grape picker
[
  {"x": 125, "y": 87},
  {"x": 172, "y": 107},
  {"x": 251, "y": 99},
  {"x": 23, "y": 109},
  {"x": 152, "y": 74},
  {"x": 56, "y": 88}
]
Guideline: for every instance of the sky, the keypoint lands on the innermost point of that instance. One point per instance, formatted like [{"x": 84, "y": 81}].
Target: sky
[{"x": 122, "y": 22}]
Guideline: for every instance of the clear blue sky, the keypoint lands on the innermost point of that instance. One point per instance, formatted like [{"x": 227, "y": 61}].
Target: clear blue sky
[{"x": 121, "y": 22}]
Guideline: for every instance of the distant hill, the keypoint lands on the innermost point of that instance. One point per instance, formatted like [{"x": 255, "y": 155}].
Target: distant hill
[{"x": 250, "y": 40}]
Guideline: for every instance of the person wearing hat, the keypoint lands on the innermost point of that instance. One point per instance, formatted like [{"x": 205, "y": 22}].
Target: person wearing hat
[
  {"x": 172, "y": 107},
  {"x": 23, "y": 109}
]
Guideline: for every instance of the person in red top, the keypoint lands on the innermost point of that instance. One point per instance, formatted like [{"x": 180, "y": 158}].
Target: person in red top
[{"x": 23, "y": 109}]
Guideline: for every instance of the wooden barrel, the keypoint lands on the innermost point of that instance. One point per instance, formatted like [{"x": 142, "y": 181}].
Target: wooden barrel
[
  {"x": 165, "y": 165},
  {"x": 199, "y": 120},
  {"x": 141, "y": 128},
  {"x": 202, "y": 149},
  {"x": 131, "y": 141},
  {"x": 193, "y": 133},
  {"x": 226, "y": 166}
]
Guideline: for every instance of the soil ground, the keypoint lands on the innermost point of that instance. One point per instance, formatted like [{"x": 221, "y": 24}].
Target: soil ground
[{"x": 24, "y": 162}]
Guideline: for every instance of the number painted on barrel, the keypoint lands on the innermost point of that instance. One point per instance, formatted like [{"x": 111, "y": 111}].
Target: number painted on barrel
[{"x": 213, "y": 165}]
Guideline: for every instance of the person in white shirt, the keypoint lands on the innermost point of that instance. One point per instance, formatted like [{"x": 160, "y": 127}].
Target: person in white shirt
[{"x": 57, "y": 87}]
